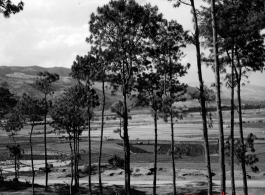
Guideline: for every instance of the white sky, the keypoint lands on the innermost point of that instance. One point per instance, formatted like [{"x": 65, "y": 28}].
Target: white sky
[{"x": 51, "y": 33}]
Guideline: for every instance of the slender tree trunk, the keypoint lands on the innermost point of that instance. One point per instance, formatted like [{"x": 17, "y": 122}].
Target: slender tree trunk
[
  {"x": 72, "y": 164},
  {"x": 101, "y": 138},
  {"x": 31, "y": 155},
  {"x": 232, "y": 133},
  {"x": 74, "y": 161},
  {"x": 120, "y": 125},
  {"x": 202, "y": 102},
  {"x": 242, "y": 142},
  {"x": 121, "y": 136},
  {"x": 16, "y": 168},
  {"x": 125, "y": 134},
  {"x": 155, "y": 153},
  {"x": 89, "y": 154},
  {"x": 218, "y": 100},
  {"x": 232, "y": 158},
  {"x": 243, "y": 160},
  {"x": 75, "y": 167},
  {"x": 126, "y": 148},
  {"x": 45, "y": 144},
  {"x": 173, "y": 152},
  {"x": 172, "y": 130},
  {"x": 78, "y": 155}
]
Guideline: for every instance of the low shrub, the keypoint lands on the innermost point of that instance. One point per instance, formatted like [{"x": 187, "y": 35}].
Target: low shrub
[
  {"x": 116, "y": 162},
  {"x": 86, "y": 169}
]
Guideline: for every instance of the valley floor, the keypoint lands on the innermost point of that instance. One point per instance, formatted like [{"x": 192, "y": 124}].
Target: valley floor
[{"x": 190, "y": 168}]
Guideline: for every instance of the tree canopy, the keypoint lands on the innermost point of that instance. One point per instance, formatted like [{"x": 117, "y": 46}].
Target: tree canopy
[
  {"x": 7, "y": 7},
  {"x": 7, "y": 101}
]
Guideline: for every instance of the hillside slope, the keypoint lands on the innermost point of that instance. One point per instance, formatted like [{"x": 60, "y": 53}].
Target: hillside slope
[
  {"x": 33, "y": 70},
  {"x": 250, "y": 94},
  {"x": 22, "y": 80}
]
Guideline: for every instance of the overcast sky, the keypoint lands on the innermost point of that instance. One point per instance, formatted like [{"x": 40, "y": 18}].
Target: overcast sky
[{"x": 51, "y": 33}]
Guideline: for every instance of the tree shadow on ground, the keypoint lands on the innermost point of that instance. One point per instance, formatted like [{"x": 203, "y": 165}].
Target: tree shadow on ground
[
  {"x": 63, "y": 189},
  {"x": 185, "y": 191},
  {"x": 13, "y": 186},
  {"x": 116, "y": 190},
  {"x": 10, "y": 187},
  {"x": 198, "y": 188}
]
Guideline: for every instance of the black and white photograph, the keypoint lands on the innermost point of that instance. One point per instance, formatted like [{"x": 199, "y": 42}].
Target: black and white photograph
[{"x": 132, "y": 97}]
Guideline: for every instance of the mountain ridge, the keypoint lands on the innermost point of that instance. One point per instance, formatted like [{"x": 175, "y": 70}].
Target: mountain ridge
[
  {"x": 33, "y": 70},
  {"x": 22, "y": 80}
]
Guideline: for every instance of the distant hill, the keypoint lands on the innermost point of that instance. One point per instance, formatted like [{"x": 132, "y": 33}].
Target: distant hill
[
  {"x": 33, "y": 70},
  {"x": 22, "y": 80},
  {"x": 250, "y": 94}
]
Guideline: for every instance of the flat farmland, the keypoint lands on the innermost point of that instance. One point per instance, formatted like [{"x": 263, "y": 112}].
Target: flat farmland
[
  {"x": 141, "y": 128},
  {"x": 190, "y": 163}
]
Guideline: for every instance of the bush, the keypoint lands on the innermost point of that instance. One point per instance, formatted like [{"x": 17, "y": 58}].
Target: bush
[
  {"x": 86, "y": 169},
  {"x": 15, "y": 179},
  {"x": 116, "y": 162}
]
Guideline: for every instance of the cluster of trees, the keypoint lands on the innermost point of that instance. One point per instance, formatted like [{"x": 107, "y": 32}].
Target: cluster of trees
[
  {"x": 16, "y": 113},
  {"x": 236, "y": 42},
  {"x": 137, "y": 51}
]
